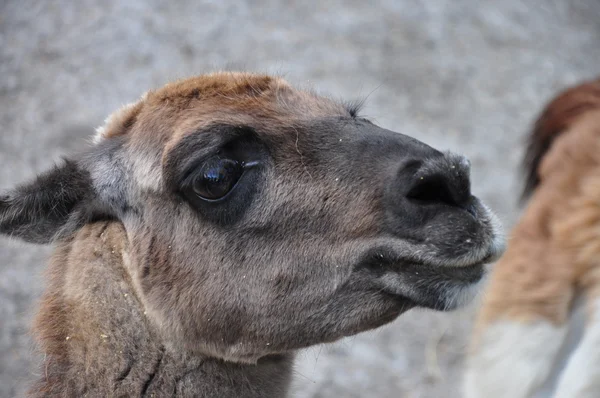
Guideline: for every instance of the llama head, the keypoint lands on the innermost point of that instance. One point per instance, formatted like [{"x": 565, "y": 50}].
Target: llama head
[{"x": 263, "y": 219}]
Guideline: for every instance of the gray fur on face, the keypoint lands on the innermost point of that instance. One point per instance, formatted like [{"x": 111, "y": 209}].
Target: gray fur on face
[{"x": 334, "y": 227}]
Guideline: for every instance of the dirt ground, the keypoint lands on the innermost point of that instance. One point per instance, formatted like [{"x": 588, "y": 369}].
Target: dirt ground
[{"x": 465, "y": 75}]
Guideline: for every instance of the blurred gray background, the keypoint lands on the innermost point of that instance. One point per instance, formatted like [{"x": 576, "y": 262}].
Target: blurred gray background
[{"x": 465, "y": 75}]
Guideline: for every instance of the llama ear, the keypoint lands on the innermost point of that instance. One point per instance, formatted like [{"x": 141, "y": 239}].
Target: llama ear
[{"x": 54, "y": 205}]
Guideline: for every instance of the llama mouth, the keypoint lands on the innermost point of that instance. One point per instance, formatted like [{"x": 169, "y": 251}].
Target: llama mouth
[
  {"x": 426, "y": 284},
  {"x": 463, "y": 274},
  {"x": 381, "y": 261}
]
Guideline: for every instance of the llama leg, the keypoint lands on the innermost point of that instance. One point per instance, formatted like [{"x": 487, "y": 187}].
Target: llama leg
[{"x": 581, "y": 377}]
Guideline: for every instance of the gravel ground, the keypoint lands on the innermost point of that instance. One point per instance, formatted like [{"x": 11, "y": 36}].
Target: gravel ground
[{"x": 465, "y": 75}]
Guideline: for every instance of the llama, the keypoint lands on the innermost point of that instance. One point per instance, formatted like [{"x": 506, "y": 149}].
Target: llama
[
  {"x": 550, "y": 268},
  {"x": 223, "y": 222}
]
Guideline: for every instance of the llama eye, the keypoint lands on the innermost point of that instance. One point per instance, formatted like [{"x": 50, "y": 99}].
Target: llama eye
[{"x": 217, "y": 177}]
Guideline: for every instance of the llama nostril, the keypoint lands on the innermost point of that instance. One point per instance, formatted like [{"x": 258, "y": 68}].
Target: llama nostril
[
  {"x": 431, "y": 189},
  {"x": 442, "y": 188},
  {"x": 442, "y": 180}
]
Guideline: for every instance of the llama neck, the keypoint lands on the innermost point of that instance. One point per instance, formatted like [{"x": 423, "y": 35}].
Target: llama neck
[{"x": 97, "y": 340}]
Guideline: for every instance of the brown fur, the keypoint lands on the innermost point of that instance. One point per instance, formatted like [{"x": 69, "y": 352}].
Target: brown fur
[
  {"x": 553, "y": 252},
  {"x": 97, "y": 337},
  {"x": 559, "y": 223},
  {"x": 558, "y": 116},
  {"x": 336, "y": 226}
]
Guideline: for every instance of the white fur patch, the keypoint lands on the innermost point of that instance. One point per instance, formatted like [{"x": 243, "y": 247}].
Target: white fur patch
[
  {"x": 513, "y": 360},
  {"x": 102, "y": 130},
  {"x": 147, "y": 172},
  {"x": 458, "y": 297},
  {"x": 99, "y": 136},
  {"x": 581, "y": 378}
]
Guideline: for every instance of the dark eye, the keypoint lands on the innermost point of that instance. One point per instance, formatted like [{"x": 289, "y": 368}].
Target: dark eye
[{"x": 217, "y": 177}]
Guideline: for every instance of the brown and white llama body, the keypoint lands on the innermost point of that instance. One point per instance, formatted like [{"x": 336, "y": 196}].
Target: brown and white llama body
[
  {"x": 225, "y": 221},
  {"x": 551, "y": 267}
]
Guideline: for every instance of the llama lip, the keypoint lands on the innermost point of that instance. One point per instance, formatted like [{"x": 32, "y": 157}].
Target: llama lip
[
  {"x": 458, "y": 274},
  {"x": 383, "y": 260}
]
